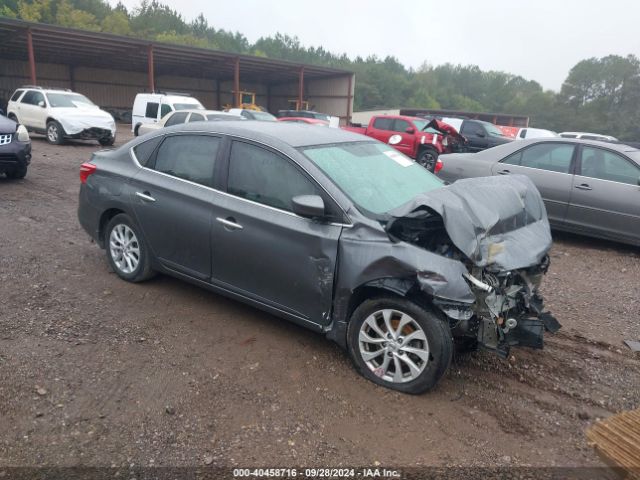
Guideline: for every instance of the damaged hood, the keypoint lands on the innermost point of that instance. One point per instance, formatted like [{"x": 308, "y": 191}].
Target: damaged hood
[
  {"x": 497, "y": 222},
  {"x": 75, "y": 120}
]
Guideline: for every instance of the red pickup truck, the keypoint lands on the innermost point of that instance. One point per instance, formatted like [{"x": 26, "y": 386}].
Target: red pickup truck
[{"x": 416, "y": 137}]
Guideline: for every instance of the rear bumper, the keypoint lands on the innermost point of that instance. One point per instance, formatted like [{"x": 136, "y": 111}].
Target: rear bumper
[{"x": 15, "y": 155}]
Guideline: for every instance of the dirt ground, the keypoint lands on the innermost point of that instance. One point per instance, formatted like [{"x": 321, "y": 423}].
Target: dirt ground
[{"x": 99, "y": 372}]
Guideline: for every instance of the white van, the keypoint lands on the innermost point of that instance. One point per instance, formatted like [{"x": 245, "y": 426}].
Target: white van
[{"x": 151, "y": 107}]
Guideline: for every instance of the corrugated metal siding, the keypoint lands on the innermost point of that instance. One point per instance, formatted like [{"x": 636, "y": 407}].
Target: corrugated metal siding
[{"x": 117, "y": 88}]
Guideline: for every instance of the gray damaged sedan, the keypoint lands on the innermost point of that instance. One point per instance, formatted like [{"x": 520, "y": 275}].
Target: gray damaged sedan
[{"x": 339, "y": 234}]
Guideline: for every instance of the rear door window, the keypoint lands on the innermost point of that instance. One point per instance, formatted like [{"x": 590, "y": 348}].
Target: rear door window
[
  {"x": 32, "y": 97},
  {"x": 190, "y": 157},
  {"x": 152, "y": 110},
  {"x": 262, "y": 176},
  {"x": 383, "y": 123},
  {"x": 470, "y": 128},
  {"x": 606, "y": 165},
  {"x": 176, "y": 119},
  {"x": 196, "y": 117}
]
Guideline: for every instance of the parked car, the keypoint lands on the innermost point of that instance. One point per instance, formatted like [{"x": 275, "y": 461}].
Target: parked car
[
  {"x": 589, "y": 187},
  {"x": 303, "y": 114},
  {"x": 308, "y": 121},
  {"x": 60, "y": 115},
  {"x": 253, "y": 114},
  {"x": 482, "y": 135},
  {"x": 187, "y": 116},
  {"x": 15, "y": 148},
  {"x": 409, "y": 135},
  {"x": 589, "y": 136},
  {"x": 152, "y": 107},
  {"x": 331, "y": 230},
  {"x": 529, "y": 132}
]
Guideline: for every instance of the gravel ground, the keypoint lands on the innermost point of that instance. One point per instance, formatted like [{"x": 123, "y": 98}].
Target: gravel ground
[{"x": 98, "y": 372}]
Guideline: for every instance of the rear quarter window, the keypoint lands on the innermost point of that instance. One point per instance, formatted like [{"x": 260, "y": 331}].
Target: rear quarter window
[
  {"x": 16, "y": 95},
  {"x": 144, "y": 150}
]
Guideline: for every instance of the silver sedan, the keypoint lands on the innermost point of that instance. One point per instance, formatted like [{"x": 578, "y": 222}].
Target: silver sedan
[{"x": 588, "y": 187}]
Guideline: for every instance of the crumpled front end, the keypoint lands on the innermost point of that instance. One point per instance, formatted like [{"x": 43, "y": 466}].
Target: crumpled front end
[
  {"x": 496, "y": 228},
  {"x": 86, "y": 123}
]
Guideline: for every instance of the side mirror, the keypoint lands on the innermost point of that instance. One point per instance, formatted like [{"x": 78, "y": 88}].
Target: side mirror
[
  {"x": 410, "y": 130},
  {"x": 310, "y": 206},
  {"x": 480, "y": 133},
  {"x": 41, "y": 103}
]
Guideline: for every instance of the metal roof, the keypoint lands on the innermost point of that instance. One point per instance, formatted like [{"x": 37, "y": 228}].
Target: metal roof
[{"x": 54, "y": 44}]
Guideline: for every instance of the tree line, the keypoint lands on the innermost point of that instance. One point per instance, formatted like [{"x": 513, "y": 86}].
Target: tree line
[{"x": 599, "y": 94}]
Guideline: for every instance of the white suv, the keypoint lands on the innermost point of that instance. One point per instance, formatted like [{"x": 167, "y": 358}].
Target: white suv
[{"x": 61, "y": 114}]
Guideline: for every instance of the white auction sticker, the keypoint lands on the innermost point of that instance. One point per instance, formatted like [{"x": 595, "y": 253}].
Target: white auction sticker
[{"x": 399, "y": 158}]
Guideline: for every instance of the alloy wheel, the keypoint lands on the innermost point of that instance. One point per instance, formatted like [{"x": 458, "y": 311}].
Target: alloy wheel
[
  {"x": 124, "y": 248},
  {"x": 393, "y": 345},
  {"x": 52, "y": 133}
]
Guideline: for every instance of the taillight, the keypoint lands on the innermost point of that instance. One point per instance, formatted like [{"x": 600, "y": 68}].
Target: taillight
[
  {"x": 438, "y": 166},
  {"x": 86, "y": 169}
]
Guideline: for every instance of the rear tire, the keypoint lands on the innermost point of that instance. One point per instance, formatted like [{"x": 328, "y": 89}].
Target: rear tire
[
  {"x": 136, "y": 130},
  {"x": 408, "y": 337},
  {"x": 55, "y": 133},
  {"x": 428, "y": 158},
  {"x": 127, "y": 252}
]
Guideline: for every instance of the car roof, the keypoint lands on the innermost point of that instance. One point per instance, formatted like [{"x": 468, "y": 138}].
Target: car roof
[
  {"x": 511, "y": 147},
  {"x": 274, "y": 133}
]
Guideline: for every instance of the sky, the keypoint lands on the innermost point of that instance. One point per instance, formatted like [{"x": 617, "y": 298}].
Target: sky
[{"x": 538, "y": 39}]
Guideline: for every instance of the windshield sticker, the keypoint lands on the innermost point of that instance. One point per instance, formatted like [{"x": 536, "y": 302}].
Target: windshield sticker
[{"x": 399, "y": 158}]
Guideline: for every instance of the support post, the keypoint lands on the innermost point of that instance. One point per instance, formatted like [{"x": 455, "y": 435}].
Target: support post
[
  {"x": 301, "y": 88},
  {"x": 349, "y": 99},
  {"x": 269, "y": 98},
  {"x": 236, "y": 82},
  {"x": 151, "y": 68},
  {"x": 32, "y": 58},
  {"x": 218, "y": 102},
  {"x": 72, "y": 77}
]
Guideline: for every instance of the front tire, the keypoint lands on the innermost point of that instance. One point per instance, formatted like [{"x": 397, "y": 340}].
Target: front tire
[
  {"x": 428, "y": 158},
  {"x": 55, "y": 133},
  {"x": 127, "y": 252},
  {"x": 397, "y": 344},
  {"x": 107, "y": 142}
]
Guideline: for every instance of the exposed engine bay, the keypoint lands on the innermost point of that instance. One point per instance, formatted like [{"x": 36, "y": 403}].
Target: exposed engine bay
[{"x": 508, "y": 308}]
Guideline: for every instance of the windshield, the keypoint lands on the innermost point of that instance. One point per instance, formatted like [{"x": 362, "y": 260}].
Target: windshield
[
  {"x": 493, "y": 130},
  {"x": 68, "y": 100},
  {"x": 374, "y": 176},
  {"x": 264, "y": 116},
  {"x": 187, "y": 106}
]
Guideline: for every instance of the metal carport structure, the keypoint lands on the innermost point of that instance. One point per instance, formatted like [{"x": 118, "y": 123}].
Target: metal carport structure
[{"x": 93, "y": 63}]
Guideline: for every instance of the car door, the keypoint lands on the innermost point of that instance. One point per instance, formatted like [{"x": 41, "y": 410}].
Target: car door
[
  {"x": 406, "y": 140},
  {"x": 606, "y": 195},
  {"x": 261, "y": 249},
  {"x": 173, "y": 202},
  {"x": 382, "y": 129},
  {"x": 549, "y": 165},
  {"x": 31, "y": 111}
]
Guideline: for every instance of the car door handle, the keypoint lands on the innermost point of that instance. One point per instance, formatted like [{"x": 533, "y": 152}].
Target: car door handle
[
  {"x": 145, "y": 196},
  {"x": 584, "y": 186},
  {"x": 503, "y": 172},
  {"x": 230, "y": 223}
]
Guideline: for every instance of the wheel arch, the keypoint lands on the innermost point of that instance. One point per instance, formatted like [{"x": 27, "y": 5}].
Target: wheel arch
[{"x": 105, "y": 218}]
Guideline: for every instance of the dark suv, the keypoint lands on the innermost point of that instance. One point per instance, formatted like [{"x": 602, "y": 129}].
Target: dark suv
[
  {"x": 482, "y": 135},
  {"x": 15, "y": 148}
]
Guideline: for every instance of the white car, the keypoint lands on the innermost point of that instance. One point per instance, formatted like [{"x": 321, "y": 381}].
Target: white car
[
  {"x": 527, "y": 132},
  {"x": 61, "y": 114},
  {"x": 589, "y": 136},
  {"x": 150, "y": 108},
  {"x": 187, "y": 116},
  {"x": 253, "y": 114}
]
